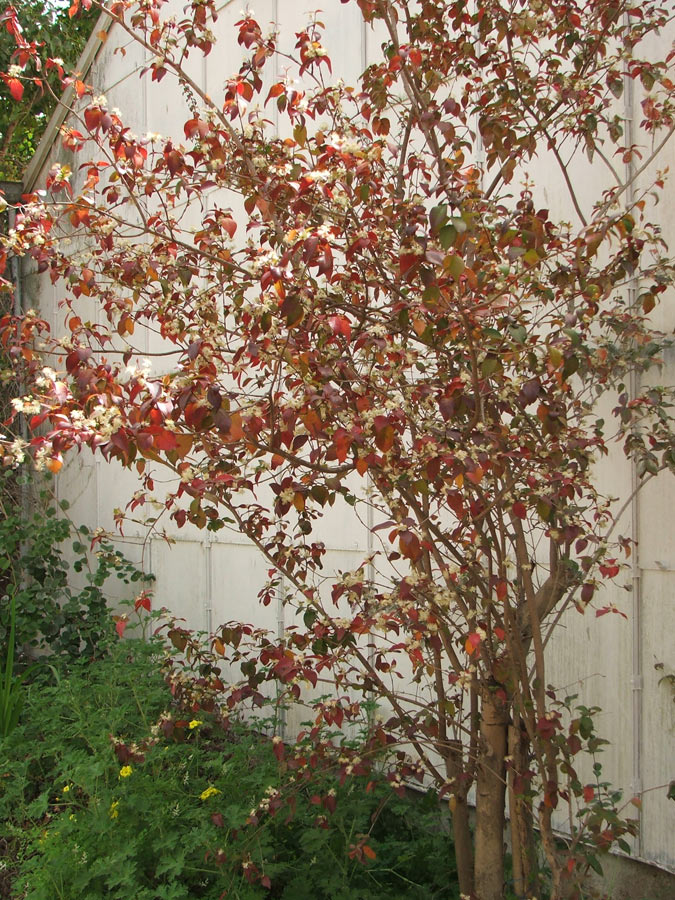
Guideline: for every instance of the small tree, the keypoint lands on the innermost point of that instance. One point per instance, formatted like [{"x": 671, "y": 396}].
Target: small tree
[{"x": 395, "y": 323}]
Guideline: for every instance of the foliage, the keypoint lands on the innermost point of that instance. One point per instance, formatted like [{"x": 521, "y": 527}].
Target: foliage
[
  {"x": 37, "y": 581},
  {"x": 396, "y": 322},
  {"x": 11, "y": 689},
  {"x": 21, "y": 127},
  {"x": 172, "y": 822}
]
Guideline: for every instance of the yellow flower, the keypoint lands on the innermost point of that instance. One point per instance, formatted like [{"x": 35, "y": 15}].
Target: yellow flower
[
  {"x": 114, "y": 812},
  {"x": 66, "y": 789},
  {"x": 209, "y": 792},
  {"x": 125, "y": 771},
  {"x": 195, "y": 723}
]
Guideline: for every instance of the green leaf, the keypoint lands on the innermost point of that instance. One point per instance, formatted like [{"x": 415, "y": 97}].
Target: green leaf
[
  {"x": 616, "y": 86},
  {"x": 438, "y": 217},
  {"x": 447, "y": 236},
  {"x": 570, "y": 367},
  {"x": 490, "y": 365},
  {"x": 594, "y": 864},
  {"x": 586, "y": 727},
  {"x": 647, "y": 79},
  {"x": 300, "y": 134},
  {"x": 518, "y": 333},
  {"x": 455, "y": 265},
  {"x": 573, "y": 335}
]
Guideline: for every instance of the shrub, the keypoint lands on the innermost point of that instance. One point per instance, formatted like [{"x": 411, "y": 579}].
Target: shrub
[
  {"x": 51, "y": 614},
  {"x": 166, "y": 811}
]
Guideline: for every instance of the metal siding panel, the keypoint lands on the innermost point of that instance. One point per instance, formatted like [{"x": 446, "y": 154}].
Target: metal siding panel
[
  {"x": 239, "y": 573},
  {"x": 591, "y": 657},
  {"x": 658, "y": 762},
  {"x": 341, "y": 37},
  {"x": 180, "y": 580}
]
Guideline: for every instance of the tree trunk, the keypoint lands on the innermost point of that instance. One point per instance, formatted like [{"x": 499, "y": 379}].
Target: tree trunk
[
  {"x": 525, "y": 875},
  {"x": 461, "y": 832},
  {"x": 490, "y": 799}
]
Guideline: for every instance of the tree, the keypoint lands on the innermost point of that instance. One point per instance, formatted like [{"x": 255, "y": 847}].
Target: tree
[
  {"x": 21, "y": 126},
  {"x": 396, "y": 325}
]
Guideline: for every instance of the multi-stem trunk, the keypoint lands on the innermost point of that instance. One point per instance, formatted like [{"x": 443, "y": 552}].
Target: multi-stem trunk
[
  {"x": 523, "y": 847},
  {"x": 461, "y": 830},
  {"x": 491, "y": 797}
]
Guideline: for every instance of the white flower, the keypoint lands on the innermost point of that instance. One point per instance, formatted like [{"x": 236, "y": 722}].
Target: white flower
[
  {"x": 28, "y": 405},
  {"x": 16, "y": 450},
  {"x": 41, "y": 458},
  {"x": 15, "y": 71}
]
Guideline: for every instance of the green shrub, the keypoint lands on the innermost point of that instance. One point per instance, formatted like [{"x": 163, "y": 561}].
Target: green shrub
[
  {"x": 167, "y": 814},
  {"x": 51, "y": 614}
]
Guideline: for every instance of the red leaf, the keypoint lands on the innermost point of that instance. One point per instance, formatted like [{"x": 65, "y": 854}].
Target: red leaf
[
  {"x": 143, "y": 600},
  {"x": 229, "y": 225},
  {"x": 519, "y": 510},
  {"x": 476, "y": 475},
  {"x": 410, "y": 546},
  {"x": 384, "y": 438},
  {"x": 92, "y": 117},
  {"x": 574, "y": 743},
  {"x": 589, "y": 793},
  {"x": 120, "y": 625},
  {"x": 472, "y": 643},
  {"x": 407, "y": 261},
  {"x": 54, "y": 464},
  {"x": 610, "y": 609},
  {"x": 342, "y": 441},
  {"x": 164, "y": 440},
  {"x": 587, "y": 592},
  {"x": 174, "y": 161},
  {"x": 609, "y": 568},
  {"x": 276, "y": 90},
  {"x": 15, "y": 88},
  {"x": 340, "y": 325},
  {"x": 546, "y": 727},
  {"x": 293, "y": 310},
  {"x": 361, "y": 466}
]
